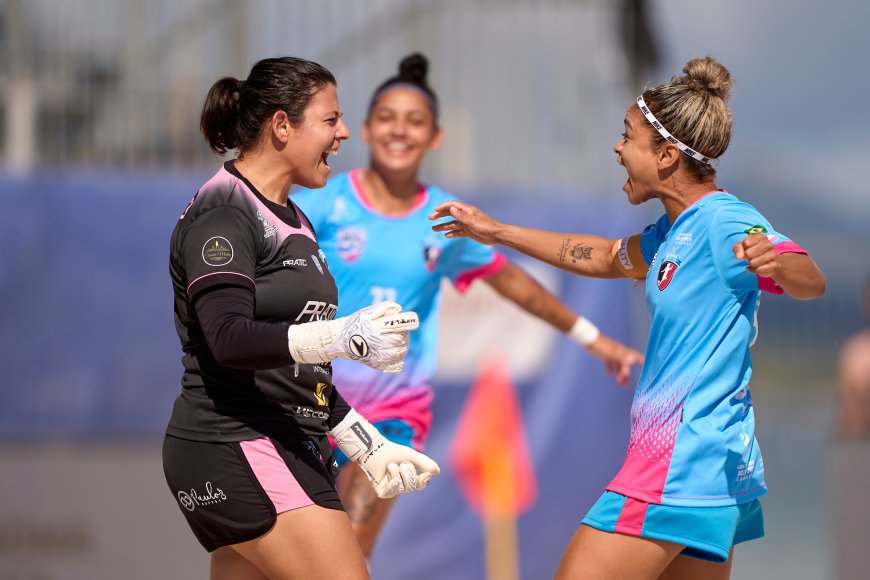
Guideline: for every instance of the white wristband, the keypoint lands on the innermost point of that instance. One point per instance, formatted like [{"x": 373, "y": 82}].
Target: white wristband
[{"x": 584, "y": 332}]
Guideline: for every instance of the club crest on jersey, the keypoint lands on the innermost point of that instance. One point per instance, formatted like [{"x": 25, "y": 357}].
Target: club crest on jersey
[
  {"x": 358, "y": 346},
  {"x": 666, "y": 274},
  {"x": 217, "y": 251},
  {"x": 351, "y": 243},
  {"x": 430, "y": 256},
  {"x": 317, "y": 263},
  {"x": 432, "y": 247}
]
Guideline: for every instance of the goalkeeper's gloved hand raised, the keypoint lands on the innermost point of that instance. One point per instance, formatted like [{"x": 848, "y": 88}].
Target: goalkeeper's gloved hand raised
[
  {"x": 376, "y": 336},
  {"x": 392, "y": 468}
]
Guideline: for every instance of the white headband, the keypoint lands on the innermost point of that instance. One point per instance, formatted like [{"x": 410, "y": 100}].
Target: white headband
[{"x": 670, "y": 138}]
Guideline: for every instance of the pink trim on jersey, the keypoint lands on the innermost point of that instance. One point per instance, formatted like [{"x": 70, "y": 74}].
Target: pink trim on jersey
[
  {"x": 655, "y": 419},
  {"x": 767, "y": 284},
  {"x": 355, "y": 177},
  {"x": 217, "y": 274},
  {"x": 274, "y": 475},
  {"x": 789, "y": 247},
  {"x": 630, "y": 521},
  {"x": 466, "y": 278},
  {"x": 284, "y": 230},
  {"x": 222, "y": 178}
]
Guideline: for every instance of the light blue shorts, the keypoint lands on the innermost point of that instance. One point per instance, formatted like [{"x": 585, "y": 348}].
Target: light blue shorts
[
  {"x": 708, "y": 533},
  {"x": 395, "y": 430}
]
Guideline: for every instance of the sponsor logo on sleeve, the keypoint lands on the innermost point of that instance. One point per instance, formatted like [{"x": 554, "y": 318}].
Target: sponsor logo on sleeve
[{"x": 217, "y": 251}]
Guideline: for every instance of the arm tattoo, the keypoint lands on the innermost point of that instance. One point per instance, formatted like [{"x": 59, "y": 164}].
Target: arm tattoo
[{"x": 574, "y": 252}]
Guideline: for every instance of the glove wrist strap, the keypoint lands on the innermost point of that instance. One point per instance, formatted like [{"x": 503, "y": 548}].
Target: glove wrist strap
[
  {"x": 308, "y": 342},
  {"x": 355, "y": 436}
]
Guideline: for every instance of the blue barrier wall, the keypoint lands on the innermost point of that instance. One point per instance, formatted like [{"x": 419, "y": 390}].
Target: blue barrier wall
[{"x": 88, "y": 350}]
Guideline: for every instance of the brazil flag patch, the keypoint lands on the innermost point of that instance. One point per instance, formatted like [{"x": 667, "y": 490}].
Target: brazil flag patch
[{"x": 755, "y": 230}]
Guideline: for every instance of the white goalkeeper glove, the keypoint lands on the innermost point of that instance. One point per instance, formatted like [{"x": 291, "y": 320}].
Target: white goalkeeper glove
[
  {"x": 392, "y": 468},
  {"x": 376, "y": 336}
]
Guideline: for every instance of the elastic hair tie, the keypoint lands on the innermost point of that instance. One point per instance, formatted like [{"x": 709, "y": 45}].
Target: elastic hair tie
[{"x": 667, "y": 136}]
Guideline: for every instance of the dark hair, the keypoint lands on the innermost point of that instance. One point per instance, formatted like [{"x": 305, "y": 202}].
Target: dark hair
[
  {"x": 412, "y": 71},
  {"x": 694, "y": 109},
  {"x": 235, "y": 111}
]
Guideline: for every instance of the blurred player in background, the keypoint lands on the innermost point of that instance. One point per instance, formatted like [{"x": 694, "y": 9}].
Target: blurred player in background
[
  {"x": 688, "y": 490},
  {"x": 373, "y": 226},
  {"x": 853, "y": 419},
  {"x": 246, "y": 452}
]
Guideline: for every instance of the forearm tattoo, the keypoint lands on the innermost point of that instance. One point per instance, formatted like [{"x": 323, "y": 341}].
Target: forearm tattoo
[{"x": 574, "y": 251}]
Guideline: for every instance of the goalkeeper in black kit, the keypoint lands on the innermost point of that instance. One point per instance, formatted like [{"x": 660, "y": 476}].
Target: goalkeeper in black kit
[{"x": 246, "y": 452}]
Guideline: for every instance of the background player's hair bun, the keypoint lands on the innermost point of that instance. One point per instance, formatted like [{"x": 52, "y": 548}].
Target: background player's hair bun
[{"x": 413, "y": 69}]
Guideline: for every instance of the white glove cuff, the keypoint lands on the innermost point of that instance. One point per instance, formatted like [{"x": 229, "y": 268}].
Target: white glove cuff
[
  {"x": 354, "y": 435},
  {"x": 307, "y": 342},
  {"x": 584, "y": 332}
]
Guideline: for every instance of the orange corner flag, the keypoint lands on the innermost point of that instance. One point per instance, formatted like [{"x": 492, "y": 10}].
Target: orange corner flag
[{"x": 490, "y": 454}]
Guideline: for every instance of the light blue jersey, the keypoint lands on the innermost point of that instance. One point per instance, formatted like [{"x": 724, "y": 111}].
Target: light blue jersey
[
  {"x": 693, "y": 425},
  {"x": 374, "y": 257}
]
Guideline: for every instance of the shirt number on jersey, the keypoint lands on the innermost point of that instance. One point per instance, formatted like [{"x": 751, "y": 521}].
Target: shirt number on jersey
[{"x": 382, "y": 293}]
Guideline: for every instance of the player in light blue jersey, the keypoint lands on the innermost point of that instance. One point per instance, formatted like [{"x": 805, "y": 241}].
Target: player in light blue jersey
[
  {"x": 688, "y": 489},
  {"x": 373, "y": 227}
]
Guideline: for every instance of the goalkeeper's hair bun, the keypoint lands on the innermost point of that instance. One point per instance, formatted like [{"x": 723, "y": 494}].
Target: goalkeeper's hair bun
[{"x": 235, "y": 111}]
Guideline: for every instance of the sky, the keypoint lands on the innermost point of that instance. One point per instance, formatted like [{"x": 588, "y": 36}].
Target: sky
[{"x": 800, "y": 70}]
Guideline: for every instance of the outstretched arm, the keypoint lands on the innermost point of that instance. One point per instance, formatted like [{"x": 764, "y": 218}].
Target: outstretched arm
[
  {"x": 513, "y": 283},
  {"x": 576, "y": 253}
]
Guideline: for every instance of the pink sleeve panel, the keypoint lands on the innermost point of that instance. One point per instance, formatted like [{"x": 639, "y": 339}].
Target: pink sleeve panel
[
  {"x": 767, "y": 284},
  {"x": 464, "y": 280}
]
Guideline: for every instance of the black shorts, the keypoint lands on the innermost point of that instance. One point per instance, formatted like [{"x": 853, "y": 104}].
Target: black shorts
[{"x": 232, "y": 492}]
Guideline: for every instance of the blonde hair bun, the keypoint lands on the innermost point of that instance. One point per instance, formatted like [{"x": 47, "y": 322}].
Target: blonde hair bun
[{"x": 708, "y": 75}]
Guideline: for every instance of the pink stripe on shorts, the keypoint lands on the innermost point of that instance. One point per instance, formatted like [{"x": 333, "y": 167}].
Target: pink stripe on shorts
[{"x": 274, "y": 475}]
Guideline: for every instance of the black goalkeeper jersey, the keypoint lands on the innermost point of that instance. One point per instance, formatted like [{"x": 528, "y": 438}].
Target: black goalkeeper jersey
[{"x": 231, "y": 235}]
